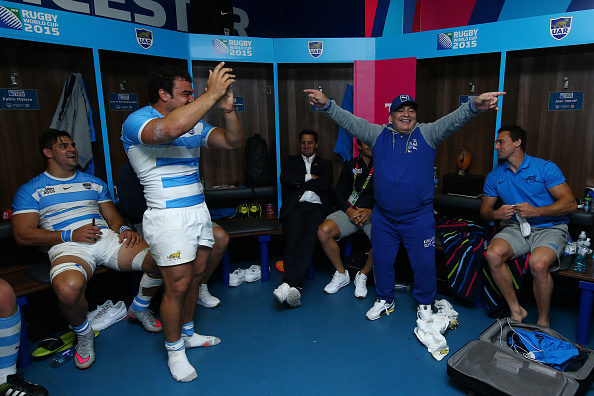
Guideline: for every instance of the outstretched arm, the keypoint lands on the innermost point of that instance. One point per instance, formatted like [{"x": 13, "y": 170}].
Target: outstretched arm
[{"x": 488, "y": 100}]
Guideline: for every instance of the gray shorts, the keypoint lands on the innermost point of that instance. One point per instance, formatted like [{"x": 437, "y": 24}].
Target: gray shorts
[
  {"x": 346, "y": 226},
  {"x": 554, "y": 238}
]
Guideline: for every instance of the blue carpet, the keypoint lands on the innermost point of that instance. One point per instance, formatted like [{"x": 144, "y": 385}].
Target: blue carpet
[{"x": 324, "y": 347}]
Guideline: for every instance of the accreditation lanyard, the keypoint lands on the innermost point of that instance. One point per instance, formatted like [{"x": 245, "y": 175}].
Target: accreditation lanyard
[{"x": 355, "y": 195}]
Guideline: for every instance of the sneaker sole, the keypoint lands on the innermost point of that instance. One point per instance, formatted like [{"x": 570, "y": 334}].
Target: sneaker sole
[
  {"x": 339, "y": 287},
  {"x": 252, "y": 280},
  {"x": 85, "y": 365},
  {"x": 206, "y": 305},
  {"x": 293, "y": 299},
  {"x": 361, "y": 296},
  {"x": 381, "y": 314},
  {"x": 157, "y": 330}
]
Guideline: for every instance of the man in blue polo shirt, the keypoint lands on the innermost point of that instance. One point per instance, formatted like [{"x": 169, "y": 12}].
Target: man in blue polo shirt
[{"x": 535, "y": 199}]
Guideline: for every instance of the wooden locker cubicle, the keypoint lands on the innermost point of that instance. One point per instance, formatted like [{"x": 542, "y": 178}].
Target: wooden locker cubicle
[
  {"x": 43, "y": 67},
  {"x": 295, "y": 114},
  {"x": 254, "y": 86},
  {"x": 126, "y": 73},
  {"x": 564, "y": 137},
  {"x": 440, "y": 83}
]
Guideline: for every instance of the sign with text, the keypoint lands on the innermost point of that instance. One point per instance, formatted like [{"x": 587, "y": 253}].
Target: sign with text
[
  {"x": 466, "y": 98},
  {"x": 566, "y": 100},
  {"x": 123, "y": 101},
  {"x": 18, "y": 99}
]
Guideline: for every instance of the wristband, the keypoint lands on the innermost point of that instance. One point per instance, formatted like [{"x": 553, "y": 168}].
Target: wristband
[
  {"x": 124, "y": 228},
  {"x": 67, "y": 235}
]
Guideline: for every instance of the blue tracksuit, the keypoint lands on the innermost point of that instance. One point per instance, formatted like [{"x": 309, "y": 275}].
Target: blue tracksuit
[{"x": 404, "y": 188}]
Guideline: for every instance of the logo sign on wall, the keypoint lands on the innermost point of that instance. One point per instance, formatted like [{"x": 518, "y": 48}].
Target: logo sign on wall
[
  {"x": 315, "y": 48},
  {"x": 18, "y": 99},
  {"x": 232, "y": 47},
  {"x": 560, "y": 27},
  {"x": 123, "y": 101},
  {"x": 566, "y": 100},
  {"x": 10, "y": 18},
  {"x": 466, "y": 98},
  {"x": 144, "y": 37},
  {"x": 457, "y": 40}
]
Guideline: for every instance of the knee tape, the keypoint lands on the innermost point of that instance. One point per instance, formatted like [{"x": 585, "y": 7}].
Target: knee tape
[
  {"x": 58, "y": 269},
  {"x": 147, "y": 282},
  {"x": 139, "y": 259}
]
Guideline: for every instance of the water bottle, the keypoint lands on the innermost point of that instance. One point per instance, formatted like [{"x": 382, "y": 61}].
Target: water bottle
[
  {"x": 580, "y": 260},
  {"x": 581, "y": 239},
  {"x": 62, "y": 358},
  {"x": 435, "y": 177}
]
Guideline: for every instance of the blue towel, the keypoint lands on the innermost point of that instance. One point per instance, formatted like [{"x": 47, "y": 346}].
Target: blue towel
[{"x": 549, "y": 350}]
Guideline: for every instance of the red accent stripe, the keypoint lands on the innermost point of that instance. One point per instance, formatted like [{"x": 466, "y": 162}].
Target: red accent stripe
[
  {"x": 370, "y": 10},
  {"x": 471, "y": 283}
]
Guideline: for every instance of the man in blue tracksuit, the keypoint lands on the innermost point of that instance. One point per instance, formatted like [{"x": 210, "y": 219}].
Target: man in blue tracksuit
[{"x": 404, "y": 155}]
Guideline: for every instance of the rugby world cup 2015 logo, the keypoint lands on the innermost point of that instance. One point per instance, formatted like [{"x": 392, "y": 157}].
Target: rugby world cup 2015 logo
[
  {"x": 560, "y": 27},
  {"x": 220, "y": 46},
  {"x": 444, "y": 41},
  {"x": 10, "y": 18},
  {"x": 144, "y": 37},
  {"x": 315, "y": 48}
]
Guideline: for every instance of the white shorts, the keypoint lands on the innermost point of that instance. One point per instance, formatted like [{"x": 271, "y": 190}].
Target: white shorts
[
  {"x": 175, "y": 234},
  {"x": 103, "y": 252}
]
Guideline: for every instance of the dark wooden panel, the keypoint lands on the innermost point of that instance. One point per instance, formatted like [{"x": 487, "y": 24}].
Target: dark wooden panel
[
  {"x": 564, "y": 137},
  {"x": 134, "y": 69},
  {"x": 295, "y": 114},
  {"x": 440, "y": 83},
  {"x": 255, "y": 84},
  {"x": 43, "y": 67}
]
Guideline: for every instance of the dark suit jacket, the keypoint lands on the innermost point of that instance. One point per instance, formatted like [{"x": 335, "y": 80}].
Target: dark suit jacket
[{"x": 293, "y": 182}]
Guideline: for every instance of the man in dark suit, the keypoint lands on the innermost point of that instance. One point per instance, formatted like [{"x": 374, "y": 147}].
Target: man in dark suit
[{"x": 306, "y": 180}]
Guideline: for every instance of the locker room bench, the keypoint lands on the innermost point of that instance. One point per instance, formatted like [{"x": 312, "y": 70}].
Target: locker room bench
[{"x": 259, "y": 227}]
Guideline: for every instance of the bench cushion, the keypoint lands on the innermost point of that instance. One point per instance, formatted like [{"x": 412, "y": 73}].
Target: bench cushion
[{"x": 241, "y": 226}]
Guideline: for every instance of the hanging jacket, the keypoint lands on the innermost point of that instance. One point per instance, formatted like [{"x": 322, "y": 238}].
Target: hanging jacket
[{"x": 73, "y": 115}]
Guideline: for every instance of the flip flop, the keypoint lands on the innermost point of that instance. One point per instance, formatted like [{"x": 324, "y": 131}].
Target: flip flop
[{"x": 52, "y": 345}]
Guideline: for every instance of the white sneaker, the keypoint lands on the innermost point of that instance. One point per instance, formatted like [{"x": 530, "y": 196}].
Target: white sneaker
[
  {"x": 206, "y": 299},
  {"x": 253, "y": 273},
  {"x": 106, "y": 305},
  {"x": 109, "y": 315},
  {"x": 281, "y": 292},
  {"x": 338, "y": 281},
  {"x": 424, "y": 312},
  {"x": 237, "y": 277},
  {"x": 293, "y": 298},
  {"x": 360, "y": 285},
  {"x": 380, "y": 307}
]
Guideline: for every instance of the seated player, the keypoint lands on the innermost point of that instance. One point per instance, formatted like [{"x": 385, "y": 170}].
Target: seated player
[{"x": 73, "y": 213}]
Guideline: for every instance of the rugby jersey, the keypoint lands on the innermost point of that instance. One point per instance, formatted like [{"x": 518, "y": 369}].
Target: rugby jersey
[
  {"x": 63, "y": 204},
  {"x": 169, "y": 172}
]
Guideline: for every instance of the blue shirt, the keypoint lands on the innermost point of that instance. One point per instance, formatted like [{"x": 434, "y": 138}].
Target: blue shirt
[
  {"x": 63, "y": 204},
  {"x": 530, "y": 183},
  {"x": 169, "y": 172}
]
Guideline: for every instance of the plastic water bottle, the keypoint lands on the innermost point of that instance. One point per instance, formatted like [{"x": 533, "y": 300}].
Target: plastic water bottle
[
  {"x": 580, "y": 259},
  {"x": 435, "y": 177},
  {"x": 62, "y": 358}
]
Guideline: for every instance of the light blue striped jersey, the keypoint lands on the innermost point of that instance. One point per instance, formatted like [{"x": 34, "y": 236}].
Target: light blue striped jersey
[
  {"x": 169, "y": 172},
  {"x": 63, "y": 204}
]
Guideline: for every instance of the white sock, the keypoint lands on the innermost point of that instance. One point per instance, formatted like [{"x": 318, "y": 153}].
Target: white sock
[
  {"x": 180, "y": 367},
  {"x": 197, "y": 340}
]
